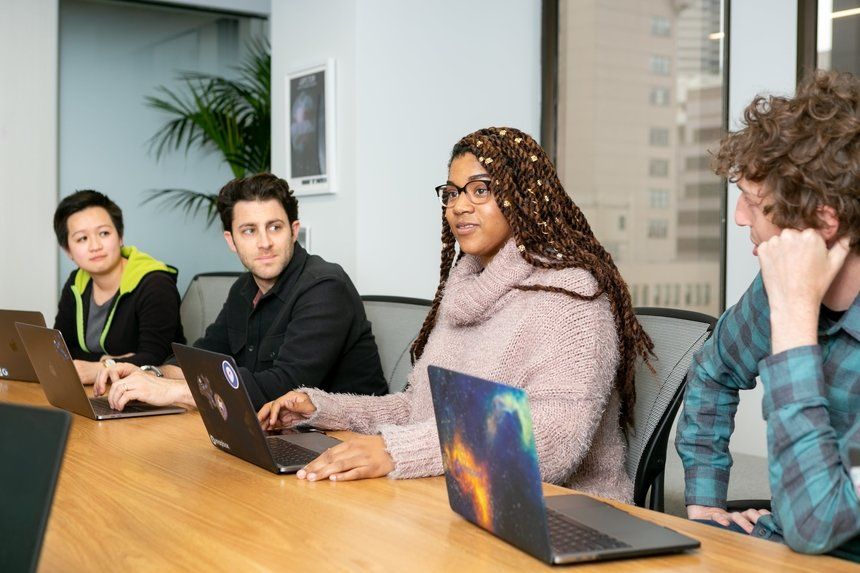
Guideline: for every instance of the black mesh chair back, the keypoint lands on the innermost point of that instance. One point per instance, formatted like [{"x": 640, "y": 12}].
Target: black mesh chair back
[
  {"x": 396, "y": 322},
  {"x": 677, "y": 335}
]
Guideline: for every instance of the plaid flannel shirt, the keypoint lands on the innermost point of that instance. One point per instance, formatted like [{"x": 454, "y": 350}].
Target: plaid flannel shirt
[{"x": 811, "y": 406}]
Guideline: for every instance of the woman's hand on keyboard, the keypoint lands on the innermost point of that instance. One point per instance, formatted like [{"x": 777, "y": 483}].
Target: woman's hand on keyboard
[{"x": 288, "y": 410}]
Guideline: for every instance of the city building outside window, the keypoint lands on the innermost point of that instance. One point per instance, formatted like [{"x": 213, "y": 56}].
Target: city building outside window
[{"x": 637, "y": 140}]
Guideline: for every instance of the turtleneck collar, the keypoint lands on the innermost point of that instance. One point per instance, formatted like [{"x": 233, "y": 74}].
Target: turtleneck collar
[{"x": 472, "y": 290}]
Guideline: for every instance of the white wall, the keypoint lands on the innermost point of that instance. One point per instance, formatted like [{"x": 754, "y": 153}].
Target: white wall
[
  {"x": 112, "y": 55},
  {"x": 303, "y": 33},
  {"x": 412, "y": 78},
  {"x": 763, "y": 37},
  {"x": 28, "y": 154}
]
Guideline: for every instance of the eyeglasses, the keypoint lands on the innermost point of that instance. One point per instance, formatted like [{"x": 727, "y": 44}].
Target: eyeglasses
[{"x": 478, "y": 192}]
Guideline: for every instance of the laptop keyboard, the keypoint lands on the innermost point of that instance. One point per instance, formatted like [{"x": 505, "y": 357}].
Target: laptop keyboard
[
  {"x": 569, "y": 536},
  {"x": 289, "y": 454},
  {"x": 102, "y": 407}
]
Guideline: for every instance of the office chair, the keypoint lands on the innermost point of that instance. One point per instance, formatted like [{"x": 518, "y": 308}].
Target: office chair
[
  {"x": 677, "y": 335},
  {"x": 396, "y": 322},
  {"x": 203, "y": 301}
]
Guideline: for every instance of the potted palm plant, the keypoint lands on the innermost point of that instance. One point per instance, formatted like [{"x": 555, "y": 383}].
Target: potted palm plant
[{"x": 212, "y": 113}]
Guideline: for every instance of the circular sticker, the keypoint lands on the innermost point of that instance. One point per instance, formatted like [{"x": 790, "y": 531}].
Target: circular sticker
[{"x": 230, "y": 375}]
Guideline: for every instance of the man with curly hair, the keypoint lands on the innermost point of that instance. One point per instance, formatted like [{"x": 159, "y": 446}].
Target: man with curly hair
[{"x": 796, "y": 162}]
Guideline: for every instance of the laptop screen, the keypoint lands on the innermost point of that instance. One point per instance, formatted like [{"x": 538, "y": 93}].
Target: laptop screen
[{"x": 490, "y": 459}]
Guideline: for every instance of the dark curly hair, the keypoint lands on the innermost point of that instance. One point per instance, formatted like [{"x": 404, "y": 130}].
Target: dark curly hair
[
  {"x": 805, "y": 151},
  {"x": 551, "y": 233},
  {"x": 258, "y": 187}
]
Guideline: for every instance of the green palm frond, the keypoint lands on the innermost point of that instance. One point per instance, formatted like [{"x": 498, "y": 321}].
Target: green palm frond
[
  {"x": 210, "y": 113},
  {"x": 191, "y": 202}
]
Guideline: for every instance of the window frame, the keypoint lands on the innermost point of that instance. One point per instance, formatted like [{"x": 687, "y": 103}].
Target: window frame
[{"x": 549, "y": 102}]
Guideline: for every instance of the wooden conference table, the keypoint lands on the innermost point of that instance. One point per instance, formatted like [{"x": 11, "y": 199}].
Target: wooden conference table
[{"x": 153, "y": 494}]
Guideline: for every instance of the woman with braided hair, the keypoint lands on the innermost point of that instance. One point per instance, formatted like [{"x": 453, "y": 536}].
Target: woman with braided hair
[{"x": 530, "y": 299}]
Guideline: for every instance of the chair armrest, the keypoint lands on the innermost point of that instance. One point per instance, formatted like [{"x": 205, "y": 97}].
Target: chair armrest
[{"x": 744, "y": 504}]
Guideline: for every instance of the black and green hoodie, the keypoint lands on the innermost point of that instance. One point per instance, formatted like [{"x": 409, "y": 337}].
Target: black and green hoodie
[{"x": 143, "y": 320}]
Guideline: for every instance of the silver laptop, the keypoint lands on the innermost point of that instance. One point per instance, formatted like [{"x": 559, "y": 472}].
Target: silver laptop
[
  {"x": 493, "y": 479},
  {"x": 231, "y": 421},
  {"x": 14, "y": 362},
  {"x": 56, "y": 371}
]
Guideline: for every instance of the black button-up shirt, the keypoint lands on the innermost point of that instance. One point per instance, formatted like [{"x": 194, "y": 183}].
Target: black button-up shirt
[{"x": 308, "y": 330}]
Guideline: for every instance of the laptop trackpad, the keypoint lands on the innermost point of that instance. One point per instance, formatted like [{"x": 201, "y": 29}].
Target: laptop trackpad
[
  {"x": 611, "y": 521},
  {"x": 315, "y": 441}
]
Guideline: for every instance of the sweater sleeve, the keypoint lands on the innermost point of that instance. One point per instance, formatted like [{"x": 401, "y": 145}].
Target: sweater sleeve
[
  {"x": 158, "y": 319},
  {"x": 363, "y": 414}
]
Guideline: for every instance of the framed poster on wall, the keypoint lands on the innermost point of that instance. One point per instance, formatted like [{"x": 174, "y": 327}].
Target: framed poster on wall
[{"x": 311, "y": 129}]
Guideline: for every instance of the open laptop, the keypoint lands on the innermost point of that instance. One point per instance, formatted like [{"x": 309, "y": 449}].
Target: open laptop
[
  {"x": 231, "y": 420},
  {"x": 56, "y": 371},
  {"x": 32, "y": 441},
  {"x": 14, "y": 362},
  {"x": 491, "y": 469}
]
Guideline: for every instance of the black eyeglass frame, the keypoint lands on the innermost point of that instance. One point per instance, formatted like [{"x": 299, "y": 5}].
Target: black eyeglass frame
[{"x": 464, "y": 189}]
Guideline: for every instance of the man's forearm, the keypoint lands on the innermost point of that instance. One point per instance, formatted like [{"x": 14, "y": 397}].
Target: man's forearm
[
  {"x": 172, "y": 371},
  {"x": 180, "y": 393}
]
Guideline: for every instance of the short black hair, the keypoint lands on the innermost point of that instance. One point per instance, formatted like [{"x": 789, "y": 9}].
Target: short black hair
[
  {"x": 78, "y": 201},
  {"x": 259, "y": 187}
]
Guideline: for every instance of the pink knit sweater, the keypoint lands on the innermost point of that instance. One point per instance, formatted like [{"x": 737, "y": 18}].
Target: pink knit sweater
[{"x": 562, "y": 351}]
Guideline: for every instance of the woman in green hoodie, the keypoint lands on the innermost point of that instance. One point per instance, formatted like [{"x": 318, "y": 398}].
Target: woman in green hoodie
[{"x": 119, "y": 302}]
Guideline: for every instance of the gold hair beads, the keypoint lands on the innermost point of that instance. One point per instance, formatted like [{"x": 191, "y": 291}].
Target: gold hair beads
[
  {"x": 506, "y": 203},
  {"x": 522, "y": 248},
  {"x": 533, "y": 158},
  {"x": 503, "y": 132},
  {"x": 518, "y": 139},
  {"x": 488, "y": 160}
]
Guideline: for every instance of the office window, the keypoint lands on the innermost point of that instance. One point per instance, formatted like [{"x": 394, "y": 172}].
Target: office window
[
  {"x": 838, "y": 35},
  {"x": 698, "y": 162},
  {"x": 660, "y": 65},
  {"x": 658, "y": 228},
  {"x": 660, "y": 26},
  {"x": 658, "y": 168},
  {"x": 658, "y": 136},
  {"x": 707, "y": 134},
  {"x": 658, "y": 198},
  {"x": 646, "y": 135},
  {"x": 659, "y": 96}
]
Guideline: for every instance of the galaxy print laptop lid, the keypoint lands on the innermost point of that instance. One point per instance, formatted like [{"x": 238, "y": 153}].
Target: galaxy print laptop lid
[{"x": 493, "y": 479}]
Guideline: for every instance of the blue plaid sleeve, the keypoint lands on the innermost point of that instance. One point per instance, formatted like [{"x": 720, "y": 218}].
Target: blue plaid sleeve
[
  {"x": 727, "y": 363},
  {"x": 814, "y": 501}
]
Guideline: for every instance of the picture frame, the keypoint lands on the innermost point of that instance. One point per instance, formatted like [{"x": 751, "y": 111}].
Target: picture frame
[{"x": 311, "y": 129}]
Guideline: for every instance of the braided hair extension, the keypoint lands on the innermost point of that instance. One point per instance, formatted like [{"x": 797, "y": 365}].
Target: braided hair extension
[{"x": 551, "y": 233}]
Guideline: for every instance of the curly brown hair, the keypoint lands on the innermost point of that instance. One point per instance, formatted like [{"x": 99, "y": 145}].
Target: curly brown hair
[
  {"x": 551, "y": 233},
  {"x": 806, "y": 152}
]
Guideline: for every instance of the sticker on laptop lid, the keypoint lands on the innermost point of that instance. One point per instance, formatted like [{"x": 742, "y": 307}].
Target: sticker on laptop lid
[
  {"x": 230, "y": 375},
  {"x": 221, "y": 406}
]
